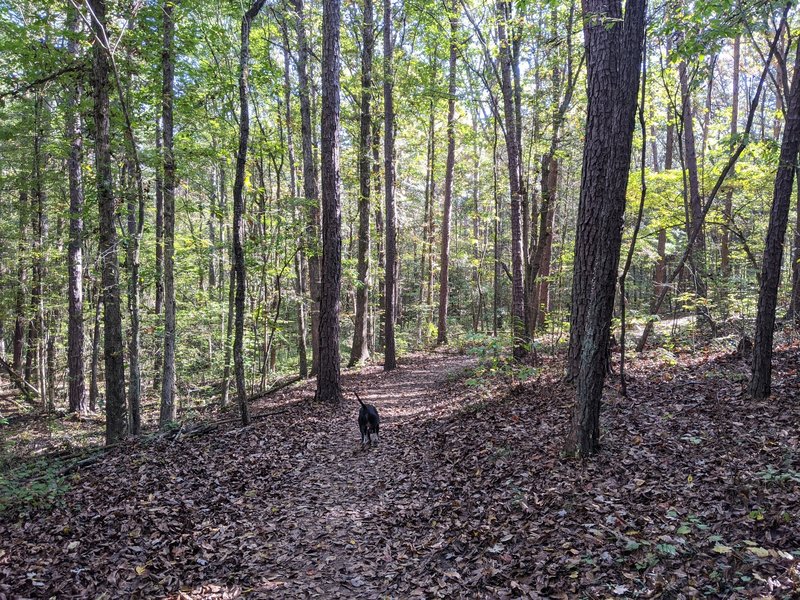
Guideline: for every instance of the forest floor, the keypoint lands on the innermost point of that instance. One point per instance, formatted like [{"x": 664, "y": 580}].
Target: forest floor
[{"x": 696, "y": 493}]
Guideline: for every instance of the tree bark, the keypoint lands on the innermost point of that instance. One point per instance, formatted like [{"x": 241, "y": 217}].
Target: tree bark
[
  {"x": 159, "y": 300},
  {"x": 310, "y": 189},
  {"x": 238, "y": 209},
  {"x": 168, "y": 413},
  {"x": 390, "y": 300},
  {"x": 518, "y": 324},
  {"x": 760, "y": 384},
  {"x": 360, "y": 350},
  {"x": 94, "y": 367},
  {"x": 22, "y": 277},
  {"x": 695, "y": 203},
  {"x": 444, "y": 292},
  {"x": 614, "y": 55},
  {"x": 75, "y": 336},
  {"x": 328, "y": 385},
  {"x": 300, "y": 256},
  {"x": 116, "y": 409}
]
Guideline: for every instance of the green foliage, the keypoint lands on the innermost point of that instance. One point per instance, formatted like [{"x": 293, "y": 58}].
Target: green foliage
[{"x": 31, "y": 486}]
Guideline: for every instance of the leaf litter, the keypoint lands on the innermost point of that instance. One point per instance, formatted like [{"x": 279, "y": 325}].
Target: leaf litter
[{"x": 696, "y": 494}]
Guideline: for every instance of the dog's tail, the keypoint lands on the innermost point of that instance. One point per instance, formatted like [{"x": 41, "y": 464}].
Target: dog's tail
[{"x": 359, "y": 398}]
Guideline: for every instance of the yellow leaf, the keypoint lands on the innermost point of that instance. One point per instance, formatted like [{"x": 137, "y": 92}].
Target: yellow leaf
[
  {"x": 759, "y": 551},
  {"x": 141, "y": 570},
  {"x": 690, "y": 479},
  {"x": 722, "y": 549}
]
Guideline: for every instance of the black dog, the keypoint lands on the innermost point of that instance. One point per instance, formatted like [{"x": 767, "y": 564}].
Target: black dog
[{"x": 368, "y": 422}]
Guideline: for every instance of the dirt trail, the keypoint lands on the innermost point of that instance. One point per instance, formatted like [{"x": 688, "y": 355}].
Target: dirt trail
[{"x": 289, "y": 507}]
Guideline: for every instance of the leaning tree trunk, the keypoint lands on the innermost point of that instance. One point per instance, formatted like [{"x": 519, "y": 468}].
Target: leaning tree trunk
[
  {"x": 360, "y": 350},
  {"x": 444, "y": 292},
  {"x": 168, "y": 409},
  {"x": 116, "y": 417},
  {"x": 390, "y": 298},
  {"x": 238, "y": 209},
  {"x": 75, "y": 336},
  {"x": 614, "y": 54},
  {"x": 328, "y": 386},
  {"x": 773, "y": 249}
]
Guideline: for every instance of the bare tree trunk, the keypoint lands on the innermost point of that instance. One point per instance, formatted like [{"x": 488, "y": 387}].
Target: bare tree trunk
[
  {"x": 116, "y": 409},
  {"x": 22, "y": 277},
  {"x": 168, "y": 412},
  {"x": 614, "y": 51},
  {"x": 159, "y": 306},
  {"x": 300, "y": 256},
  {"x": 360, "y": 350},
  {"x": 389, "y": 352},
  {"x": 695, "y": 203},
  {"x": 518, "y": 325},
  {"x": 760, "y": 384},
  {"x": 226, "y": 371},
  {"x": 38, "y": 333},
  {"x": 77, "y": 386},
  {"x": 238, "y": 208},
  {"x": 444, "y": 292},
  {"x": 380, "y": 313},
  {"x": 310, "y": 189},
  {"x": 94, "y": 368},
  {"x": 328, "y": 386}
]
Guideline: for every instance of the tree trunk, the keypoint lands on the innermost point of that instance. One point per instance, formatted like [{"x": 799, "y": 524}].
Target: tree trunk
[
  {"x": 159, "y": 306},
  {"x": 310, "y": 189},
  {"x": 328, "y": 386},
  {"x": 116, "y": 409},
  {"x": 380, "y": 313},
  {"x": 22, "y": 278},
  {"x": 77, "y": 386},
  {"x": 360, "y": 350},
  {"x": 168, "y": 412},
  {"x": 390, "y": 313},
  {"x": 444, "y": 292},
  {"x": 614, "y": 54},
  {"x": 38, "y": 333},
  {"x": 518, "y": 325},
  {"x": 94, "y": 368},
  {"x": 760, "y": 383},
  {"x": 300, "y": 256},
  {"x": 695, "y": 203},
  {"x": 238, "y": 209}
]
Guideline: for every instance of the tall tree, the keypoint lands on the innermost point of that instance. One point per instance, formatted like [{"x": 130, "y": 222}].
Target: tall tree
[
  {"x": 390, "y": 297},
  {"x": 695, "y": 212},
  {"x": 614, "y": 53},
  {"x": 116, "y": 410},
  {"x": 518, "y": 325},
  {"x": 444, "y": 292},
  {"x": 300, "y": 256},
  {"x": 328, "y": 386},
  {"x": 760, "y": 383},
  {"x": 159, "y": 255},
  {"x": 75, "y": 337},
  {"x": 22, "y": 276},
  {"x": 168, "y": 408},
  {"x": 310, "y": 189},
  {"x": 238, "y": 207},
  {"x": 360, "y": 349}
]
